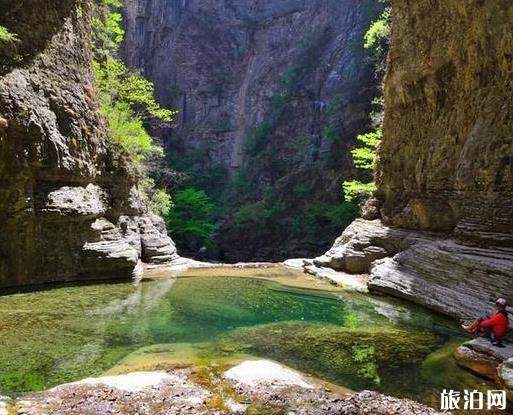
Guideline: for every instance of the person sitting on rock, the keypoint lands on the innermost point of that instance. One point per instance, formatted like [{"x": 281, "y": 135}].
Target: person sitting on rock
[{"x": 495, "y": 325}]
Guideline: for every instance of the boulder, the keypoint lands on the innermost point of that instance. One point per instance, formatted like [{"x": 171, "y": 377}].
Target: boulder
[{"x": 265, "y": 373}]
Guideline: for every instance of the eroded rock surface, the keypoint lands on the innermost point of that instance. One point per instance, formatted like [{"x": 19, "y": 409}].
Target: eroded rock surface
[
  {"x": 446, "y": 159},
  {"x": 444, "y": 164},
  {"x": 276, "y": 389},
  {"x": 69, "y": 204},
  {"x": 439, "y": 272}
]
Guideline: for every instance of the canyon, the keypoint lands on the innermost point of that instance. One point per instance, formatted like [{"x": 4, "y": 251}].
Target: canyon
[
  {"x": 444, "y": 173},
  {"x": 271, "y": 96}
]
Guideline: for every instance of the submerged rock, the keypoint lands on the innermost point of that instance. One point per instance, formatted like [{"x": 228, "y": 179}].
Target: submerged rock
[{"x": 358, "y": 356}]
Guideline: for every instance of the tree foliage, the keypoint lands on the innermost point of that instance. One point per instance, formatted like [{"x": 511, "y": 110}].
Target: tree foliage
[
  {"x": 378, "y": 33},
  {"x": 191, "y": 217},
  {"x": 364, "y": 156},
  {"x": 357, "y": 190},
  {"x": 126, "y": 99},
  {"x": 158, "y": 200},
  {"x": 377, "y": 39},
  {"x": 7, "y": 36}
]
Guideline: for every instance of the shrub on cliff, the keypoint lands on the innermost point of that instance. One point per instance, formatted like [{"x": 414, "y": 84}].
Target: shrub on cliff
[
  {"x": 376, "y": 39},
  {"x": 7, "y": 36},
  {"x": 126, "y": 99},
  {"x": 364, "y": 158}
]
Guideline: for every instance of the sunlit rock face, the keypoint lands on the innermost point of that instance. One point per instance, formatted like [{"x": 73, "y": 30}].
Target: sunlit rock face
[
  {"x": 446, "y": 161},
  {"x": 69, "y": 208},
  {"x": 271, "y": 92}
]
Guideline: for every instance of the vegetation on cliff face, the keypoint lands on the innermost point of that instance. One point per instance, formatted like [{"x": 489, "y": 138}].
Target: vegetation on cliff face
[
  {"x": 126, "y": 99},
  {"x": 7, "y": 36},
  {"x": 266, "y": 122},
  {"x": 376, "y": 39}
]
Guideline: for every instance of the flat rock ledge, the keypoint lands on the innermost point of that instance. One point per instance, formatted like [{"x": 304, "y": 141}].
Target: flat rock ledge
[
  {"x": 251, "y": 386},
  {"x": 481, "y": 357},
  {"x": 444, "y": 274}
]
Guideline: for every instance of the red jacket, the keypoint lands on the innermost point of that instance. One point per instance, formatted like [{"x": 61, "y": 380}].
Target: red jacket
[{"x": 498, "y": 323}]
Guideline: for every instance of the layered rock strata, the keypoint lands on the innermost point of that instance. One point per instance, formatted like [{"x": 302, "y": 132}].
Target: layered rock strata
[
  {"x": 445, "y": 162},
  {"x": 436, "y": 271},
  {"x": 446, "y": 159},
  {"x": 70, "y": 207}
]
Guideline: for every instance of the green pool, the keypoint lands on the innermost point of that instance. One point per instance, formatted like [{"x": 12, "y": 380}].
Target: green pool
[{"x": 355, "y": 340}]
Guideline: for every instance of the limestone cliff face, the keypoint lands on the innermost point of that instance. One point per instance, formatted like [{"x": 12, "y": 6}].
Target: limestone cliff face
[
  {"x": 445, "y": 170},
  {"x": 273, "y": 94},
  {"x": 446, "y": 161},
  {"x": 69, "y": 208}
]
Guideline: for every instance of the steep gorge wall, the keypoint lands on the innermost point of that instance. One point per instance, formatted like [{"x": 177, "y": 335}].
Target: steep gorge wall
[
  {"x": 69, "y": 204},
  {"x": 271, "y": 96},
  {"x": 446, "y": 161},
  {"x": 445, "y": 169}
]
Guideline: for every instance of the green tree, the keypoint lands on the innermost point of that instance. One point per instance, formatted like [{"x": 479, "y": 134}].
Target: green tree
[
  {"x": 378, "y": 34},
  {"x": 126, "y": 100},
  {"x": 125, "y": 97},
  {"x": 377, "y": 40},
  {"x": 364, "y": 157},
  {"x": 191, "y": 218},
  {"x": 158, "y": 200}
]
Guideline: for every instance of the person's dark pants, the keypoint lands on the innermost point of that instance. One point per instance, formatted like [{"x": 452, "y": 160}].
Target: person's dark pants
[{"x": 491, "y": 335}]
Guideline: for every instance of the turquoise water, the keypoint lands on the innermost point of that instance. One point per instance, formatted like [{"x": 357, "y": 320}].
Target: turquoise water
[{"x": 358, "y": 341}]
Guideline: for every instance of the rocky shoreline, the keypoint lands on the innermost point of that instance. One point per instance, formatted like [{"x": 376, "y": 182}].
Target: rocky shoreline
[
  {"x": 443, "y": 274},
  {"x": 252, "y": 387}
]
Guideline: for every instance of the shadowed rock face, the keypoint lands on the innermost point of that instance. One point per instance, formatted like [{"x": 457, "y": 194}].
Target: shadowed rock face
[
  {"x": 272, "y": 91},
  {"x": 446, "y": 160},
  {"x": 69, "y": 208}
]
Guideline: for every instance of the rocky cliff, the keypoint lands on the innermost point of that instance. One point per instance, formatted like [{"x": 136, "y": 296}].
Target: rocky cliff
[
  {"x": 271, "y": 96},
  {"x": 445, "y": 170},
  {"x": 69, "y": 205}
]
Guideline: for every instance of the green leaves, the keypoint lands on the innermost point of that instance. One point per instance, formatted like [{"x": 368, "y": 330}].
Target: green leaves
[
  {"x": 355, "y": 189},
  {"x": 364, "y": 157},
  {"x": 378, "y": 32},
  {"x": 7, "y": 36},
  {"x": 125, "y": 97},
  {"x": 158, "y": 200},
  {"x": 191, "y": 216}
]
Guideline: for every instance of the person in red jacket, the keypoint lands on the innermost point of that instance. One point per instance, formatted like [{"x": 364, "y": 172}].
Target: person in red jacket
[{"x": 495, "y": 325}]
